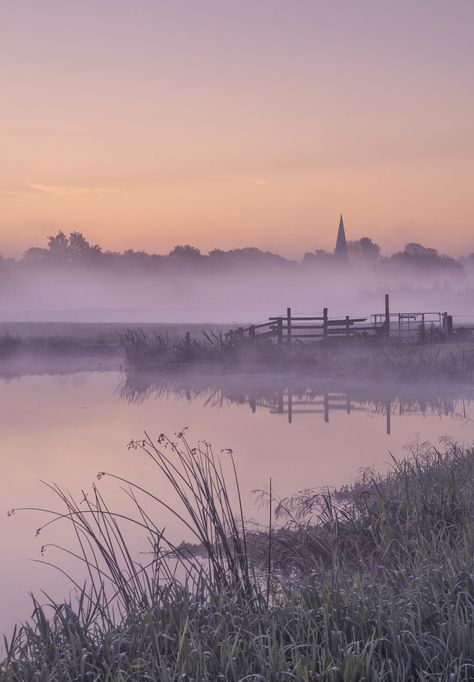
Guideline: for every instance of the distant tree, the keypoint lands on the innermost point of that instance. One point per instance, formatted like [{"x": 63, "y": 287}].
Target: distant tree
[
  {"x": 311, "y": 255},
  {"x": 138, "y": 259},
  {"x": 185, "y": 252},
  {"x": 318, "y": 257},
  {"x": 417, "y": 250},
  {"x": 78, "y": 246},
  {"x": 247, "y": 255},
  {"x": 35, "y": 254},
  {"x": 58, "y": 247},
  {"x": 468, "y": 260},
  {"x": 417, "y": 256},
  {"x": 62, "y": 249},
  {"x": 363, "y": 251},
  {"x": 80, "y": 251},
  {"x": 370, "y": 251}
]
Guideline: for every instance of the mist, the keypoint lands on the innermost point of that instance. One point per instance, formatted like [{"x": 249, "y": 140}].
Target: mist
[{"x": 65, "y": 283}]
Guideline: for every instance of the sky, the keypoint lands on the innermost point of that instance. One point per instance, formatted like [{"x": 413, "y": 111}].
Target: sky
[{"x": 222, "y": 124}]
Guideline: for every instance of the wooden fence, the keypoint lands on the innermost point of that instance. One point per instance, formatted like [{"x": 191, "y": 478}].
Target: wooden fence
[{"x": 288, "y": 328}]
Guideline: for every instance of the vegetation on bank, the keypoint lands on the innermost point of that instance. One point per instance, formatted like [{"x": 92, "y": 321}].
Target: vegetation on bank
[
  {"x": 371, "y": 582},
  {"x": 73, "y": 341},
  {"x": 163, "y": 349},
  {"x": 358, "y": 357}
]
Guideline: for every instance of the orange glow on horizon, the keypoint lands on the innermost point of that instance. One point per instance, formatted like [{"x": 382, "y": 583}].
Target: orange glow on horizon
[{"x": 188, "y": 127}]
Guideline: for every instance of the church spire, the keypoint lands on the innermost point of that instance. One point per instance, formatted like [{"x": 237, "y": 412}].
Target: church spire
[{"x": 341, "y": 243}]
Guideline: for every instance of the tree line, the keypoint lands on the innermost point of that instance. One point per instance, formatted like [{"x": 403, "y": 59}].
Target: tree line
[{"x": 76, "y": 250}]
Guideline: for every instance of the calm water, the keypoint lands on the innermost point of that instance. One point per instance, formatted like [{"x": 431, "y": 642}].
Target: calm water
[{"x": 66, "y": 428}]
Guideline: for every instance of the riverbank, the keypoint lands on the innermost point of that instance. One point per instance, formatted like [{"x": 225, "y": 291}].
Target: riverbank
[
  {"x": 363, "y": 358},
  {"x": 162, "y": 348},
  {"x": 373, "y": 581}
]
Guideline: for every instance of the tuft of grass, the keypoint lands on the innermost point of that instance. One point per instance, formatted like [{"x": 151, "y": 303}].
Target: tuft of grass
[
  {"x": 169, "y": 351},
  {"x": 371, "y": 582}
]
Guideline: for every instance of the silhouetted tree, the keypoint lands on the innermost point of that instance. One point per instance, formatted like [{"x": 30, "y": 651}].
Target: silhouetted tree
[
  {"x": 35, "y": 254},
  {"x": 418, "y": 256},
  {"x": 80, "y": 251},
  {"x": 318, "y": 257},
  {"x": 58, "y": 246},
  {"x": 369, "y": 249},
  {"x": 185, "y": 252},
  {"x": 363, "y": 251}
]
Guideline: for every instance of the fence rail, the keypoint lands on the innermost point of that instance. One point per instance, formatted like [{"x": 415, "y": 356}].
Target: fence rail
[{"x": 288, "y": 328}]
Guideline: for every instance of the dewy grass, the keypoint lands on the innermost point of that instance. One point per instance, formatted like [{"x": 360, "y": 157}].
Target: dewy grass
[
  {"x": 355, "y": 357},
  {"x": 371, "y": 582}
]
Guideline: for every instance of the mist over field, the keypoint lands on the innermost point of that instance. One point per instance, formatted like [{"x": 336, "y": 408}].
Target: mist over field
[{"x": 73, "y": 281}]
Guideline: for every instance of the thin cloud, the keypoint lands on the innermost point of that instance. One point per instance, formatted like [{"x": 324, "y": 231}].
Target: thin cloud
[
  {"x": 63, "y": 190},
  {"x": 250, "y": 179},
  {"x": 11, "y": 193}
]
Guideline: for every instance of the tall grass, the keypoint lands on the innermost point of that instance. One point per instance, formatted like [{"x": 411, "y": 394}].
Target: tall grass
[
  {"x": 371, "y": 582},
  {"x": 354, "y": 357},
  {"x": 142, "y": 349}
]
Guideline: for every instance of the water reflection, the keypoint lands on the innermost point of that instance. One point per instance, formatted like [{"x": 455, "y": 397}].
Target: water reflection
[
  {"x": 296, "y": 397},
  {"x": 65, "y": 427}
]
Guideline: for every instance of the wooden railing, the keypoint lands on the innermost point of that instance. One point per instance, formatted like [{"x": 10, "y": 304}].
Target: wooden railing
[{"x": 286, "y": 328}]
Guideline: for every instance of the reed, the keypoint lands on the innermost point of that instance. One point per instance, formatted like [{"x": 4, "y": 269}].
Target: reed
[
  {"x": 370, "y": 582},
  {"x": 366, "y": 358}
]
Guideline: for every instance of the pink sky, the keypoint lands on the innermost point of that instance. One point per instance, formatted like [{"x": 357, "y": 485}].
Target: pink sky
[{"x": 145, "y": 123}]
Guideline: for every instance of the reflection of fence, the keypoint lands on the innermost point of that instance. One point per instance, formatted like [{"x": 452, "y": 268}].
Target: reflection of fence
[
  {"x": 285, "y": 402},
  {"x": 299, "y": 398},
  {"x": 288, "y": 328}
]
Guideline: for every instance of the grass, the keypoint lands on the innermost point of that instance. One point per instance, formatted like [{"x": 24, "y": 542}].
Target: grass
[
  {"x": 361, "y": 357},
  {"x": 142, "y": 349},
  {"x": 75, "y": 341},
  {"x": 371, "y": 582}
]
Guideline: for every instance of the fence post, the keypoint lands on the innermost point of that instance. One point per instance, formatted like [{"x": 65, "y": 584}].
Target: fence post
[
  {"x": 423, "y": 328},
  {"x": 347, "y": 325},
  {"x": 449, "y": 321},
  {"x": 280, "y": 329},
  {"x": 281, "y": 404},
  {"x": 325, "y": 321},
  {"x": 444, "y": 323},
  {"x": 387, "y": 314},
  {"x": 187, "y": 339},
  {"x": 252, "y": 333},
  {"x": 288, "y": 324},
  {"x": 326, "y": 408}
]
